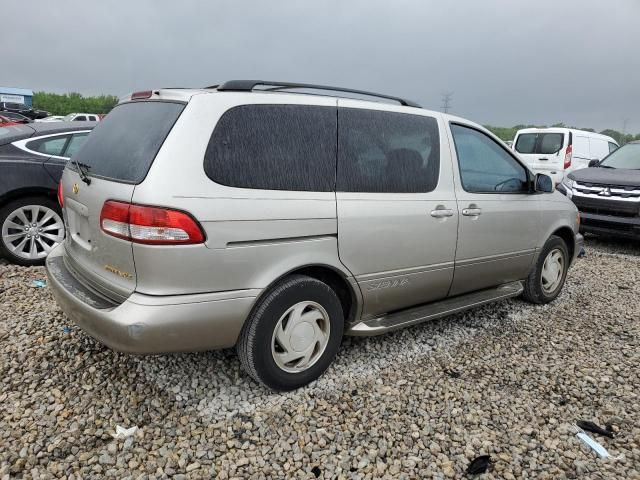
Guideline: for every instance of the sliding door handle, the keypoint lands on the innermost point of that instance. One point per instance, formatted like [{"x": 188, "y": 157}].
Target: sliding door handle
[
  {"x": 471, "y": 212},
  {"x": 441, "y": 213}
]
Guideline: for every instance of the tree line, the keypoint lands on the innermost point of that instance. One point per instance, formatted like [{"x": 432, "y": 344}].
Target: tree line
[
  {"x": 508, "y": 133},
  {"x": 63, "y": 104}
]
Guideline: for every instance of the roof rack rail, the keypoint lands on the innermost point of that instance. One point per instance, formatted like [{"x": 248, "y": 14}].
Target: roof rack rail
[{"x": 249, "y": 85}]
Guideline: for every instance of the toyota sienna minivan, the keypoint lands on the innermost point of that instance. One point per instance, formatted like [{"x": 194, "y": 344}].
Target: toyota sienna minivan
[{"x": 259, "y": 216}]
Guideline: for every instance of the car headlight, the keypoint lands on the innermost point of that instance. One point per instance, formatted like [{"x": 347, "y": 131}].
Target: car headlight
[{"x": 568, "y": 183}]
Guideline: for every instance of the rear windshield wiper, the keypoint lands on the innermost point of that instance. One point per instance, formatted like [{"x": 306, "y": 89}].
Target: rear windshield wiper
[{"x": 83, "y": 171}]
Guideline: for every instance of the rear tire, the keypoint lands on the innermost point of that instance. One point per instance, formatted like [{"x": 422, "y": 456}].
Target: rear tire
[
  {"x": 29, "y": 228},
  {"x": 293, "y": 333},
  {"x": 547, "y": 278}
]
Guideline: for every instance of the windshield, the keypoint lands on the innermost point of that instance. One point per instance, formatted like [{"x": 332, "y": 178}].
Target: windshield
[
  {"x": 627, "y": 156},
  {"x": 69, "y": 117}
]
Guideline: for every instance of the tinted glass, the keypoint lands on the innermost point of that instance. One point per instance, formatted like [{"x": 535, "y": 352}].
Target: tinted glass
[
  {"x": 539, "y": 143},
  {"x": 387, "y": 152},
  {"x": 80, "y": 118},
  {"x": 124, "y": 145},
  {"x": 485, "y": 166},
  {"x": 627, "y": 156},
  {"x": 526, "y": 143},
  {"x": 74, "y": 144},
  {"x": 49, "y": 146},
  {"x": 274, "y": 147},
  {"x": 550, "y": 142},
  {"x": 612, "y": 147}
]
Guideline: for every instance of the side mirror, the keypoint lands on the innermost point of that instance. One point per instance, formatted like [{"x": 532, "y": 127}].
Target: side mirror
[
  {"x": 544, "y": 183},
  {"x": 594, "y": 163}
]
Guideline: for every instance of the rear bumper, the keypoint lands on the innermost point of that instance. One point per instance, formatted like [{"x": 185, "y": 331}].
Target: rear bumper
[
  {"x": 628, "y": 227},
  {"x": 151, "y": 324}
]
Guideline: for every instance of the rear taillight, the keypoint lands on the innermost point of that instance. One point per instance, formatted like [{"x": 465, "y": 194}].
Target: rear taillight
[
  {"x": 60, "y": 195},
  {"x": 149, "y": 225},
  {"x": 567, "y": 157}
]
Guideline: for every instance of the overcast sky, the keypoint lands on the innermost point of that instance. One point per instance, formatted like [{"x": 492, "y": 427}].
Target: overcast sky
[{"x": 543, "y": 61}]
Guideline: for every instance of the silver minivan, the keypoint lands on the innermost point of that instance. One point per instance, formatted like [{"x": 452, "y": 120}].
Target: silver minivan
[{"x": 259, "y": 216}]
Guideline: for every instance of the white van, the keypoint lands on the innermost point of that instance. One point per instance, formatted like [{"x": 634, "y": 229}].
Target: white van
[{"x": 557, "y": 151}]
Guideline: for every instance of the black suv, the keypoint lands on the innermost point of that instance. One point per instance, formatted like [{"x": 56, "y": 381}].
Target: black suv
[
  {"x": 22, "y": 109},
  {"x": 608, "y": 193}
]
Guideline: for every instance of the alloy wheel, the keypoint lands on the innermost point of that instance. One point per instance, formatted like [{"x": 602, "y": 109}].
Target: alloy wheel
[{"x": 30, "y": 232}]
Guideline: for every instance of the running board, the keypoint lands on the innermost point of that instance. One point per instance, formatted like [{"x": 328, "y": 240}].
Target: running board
[{"x": 423, "y": 313}]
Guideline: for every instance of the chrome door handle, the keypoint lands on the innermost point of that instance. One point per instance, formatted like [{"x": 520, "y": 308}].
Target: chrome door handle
[
  {"x": 441, "y": 213},
  {"x": 471, "y": 212}
]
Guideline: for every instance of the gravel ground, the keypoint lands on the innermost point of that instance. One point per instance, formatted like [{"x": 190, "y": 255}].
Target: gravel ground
[{"x": 506, "y": 380}]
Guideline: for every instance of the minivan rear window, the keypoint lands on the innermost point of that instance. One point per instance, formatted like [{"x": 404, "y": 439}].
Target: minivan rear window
[
  {"x": 539, "y": 143},
  {"x": 123, "y": 146}
]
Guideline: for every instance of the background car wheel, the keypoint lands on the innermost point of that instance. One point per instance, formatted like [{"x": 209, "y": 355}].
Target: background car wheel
[
  {"x": 547, "y": 278},
  {"x": 29, "y": 229},
  {"x": 292, "y": 334}
]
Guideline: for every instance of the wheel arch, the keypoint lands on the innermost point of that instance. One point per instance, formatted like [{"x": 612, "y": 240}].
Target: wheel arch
[
  {"x": 18, "y": 193},
  {"x": 567, "y": 235},
  {"x": 348, "y": 292}
]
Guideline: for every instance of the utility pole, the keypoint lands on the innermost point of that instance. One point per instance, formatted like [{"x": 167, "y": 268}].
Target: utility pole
[
  {"x": 447, "y": 100},
  {"x": 624, "y": 131}
]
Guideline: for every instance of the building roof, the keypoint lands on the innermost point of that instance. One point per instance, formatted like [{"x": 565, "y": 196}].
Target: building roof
[{"x": 16, "y": 91}]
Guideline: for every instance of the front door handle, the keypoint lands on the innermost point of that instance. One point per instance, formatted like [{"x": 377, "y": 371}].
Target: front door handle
[
  {"x": 440, "y": 212},
  {"x": 471, "y": 211},
  {"x": 543, "y": 159}
]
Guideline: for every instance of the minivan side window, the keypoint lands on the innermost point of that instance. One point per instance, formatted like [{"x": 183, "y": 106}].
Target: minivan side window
[
  {"x": 485, "y": 166},
  {"x": 274, "y": 147},
  {"x": 387, "y": 152}
]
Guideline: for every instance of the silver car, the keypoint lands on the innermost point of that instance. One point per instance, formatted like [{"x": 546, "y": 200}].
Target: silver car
[{"x": 259, "y": 216}]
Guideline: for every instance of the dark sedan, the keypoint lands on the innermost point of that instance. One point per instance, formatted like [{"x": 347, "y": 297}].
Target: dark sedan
[
  {"x": 32, "y": 158},
  {"x": 608, "y": 193}
]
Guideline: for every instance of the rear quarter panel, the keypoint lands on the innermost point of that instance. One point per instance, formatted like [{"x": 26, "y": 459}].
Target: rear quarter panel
[
  {"x": 253, "y": 236},
  {"x": 20, "y": 173}
]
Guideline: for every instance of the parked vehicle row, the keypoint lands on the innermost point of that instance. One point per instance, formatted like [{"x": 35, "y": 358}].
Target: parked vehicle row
[
  {"x": 276, "y": 222},
  {"x": 32, "y": 158},
  {"x": 23, "y": 109}
]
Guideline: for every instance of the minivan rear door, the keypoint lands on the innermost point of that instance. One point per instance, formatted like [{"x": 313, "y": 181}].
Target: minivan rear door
[
  {"x": 116, "y": 157},
  {"x": 397, "y": 212}
]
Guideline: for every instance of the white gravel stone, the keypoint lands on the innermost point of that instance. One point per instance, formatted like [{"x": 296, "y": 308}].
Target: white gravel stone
[{"x": 507, "y": 380}]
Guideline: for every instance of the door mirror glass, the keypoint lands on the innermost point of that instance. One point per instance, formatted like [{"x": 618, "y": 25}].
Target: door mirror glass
[
  {"x": 594, "y": 163},
  {"x": 544, "y": 183}
]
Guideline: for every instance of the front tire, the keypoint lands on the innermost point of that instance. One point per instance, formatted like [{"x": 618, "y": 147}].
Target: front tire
[
  {"x": 292, "y": 334},
  {"x": 547, "y": 278},
  {"x": 30, "y": 228}
]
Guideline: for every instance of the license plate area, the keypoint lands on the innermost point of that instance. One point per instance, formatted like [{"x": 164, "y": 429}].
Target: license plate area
[{"x": 78, "y": 229}]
